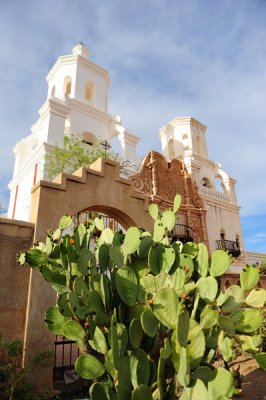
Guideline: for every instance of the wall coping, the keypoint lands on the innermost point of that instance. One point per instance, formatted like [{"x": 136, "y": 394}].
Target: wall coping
[{"x": 17, "y": 222}]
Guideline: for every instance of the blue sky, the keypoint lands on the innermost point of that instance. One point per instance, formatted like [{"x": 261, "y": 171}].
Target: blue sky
[{"x": 166, "y": 58}]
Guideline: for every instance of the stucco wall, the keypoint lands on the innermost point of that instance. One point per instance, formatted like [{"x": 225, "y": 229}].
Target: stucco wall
[{"x": 14, "y": 280}]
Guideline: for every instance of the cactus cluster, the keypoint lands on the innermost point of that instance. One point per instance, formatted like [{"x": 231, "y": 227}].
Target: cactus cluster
[{"x": 148, "y": 315}]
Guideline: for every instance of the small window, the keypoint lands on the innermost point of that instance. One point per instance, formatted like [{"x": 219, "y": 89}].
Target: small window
[
  {"x": 67, "y": 85},
  {"x": 89, "y": 91},
  {"x": 206, "y": 183},
  {"x": 88, "y": 137}
]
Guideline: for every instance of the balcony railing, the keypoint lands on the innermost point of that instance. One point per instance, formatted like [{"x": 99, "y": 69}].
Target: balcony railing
[
  {"x": 215, "y": 194},
  {"x": 232, "y": 247},
  {"x": 183, "y": 233}
]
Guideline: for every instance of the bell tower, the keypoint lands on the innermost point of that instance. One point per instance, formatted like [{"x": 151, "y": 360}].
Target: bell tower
[
  {"x": 76, "y": 104},
  {"x": 183, "y": 137}
]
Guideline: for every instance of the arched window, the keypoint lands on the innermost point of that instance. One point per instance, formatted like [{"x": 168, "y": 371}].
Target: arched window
[
  {"x": 219, "y": 185},
  {"x": 185, "y": 141},
  {"x": 171, "y": 149},
  {"x": 67, "y": 85},
  {"x": 89, "y": 91},
  {"x": 206, "y": 182}
]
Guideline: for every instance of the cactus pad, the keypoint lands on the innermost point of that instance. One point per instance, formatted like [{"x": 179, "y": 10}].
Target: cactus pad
[
  {"x": 97, "y": 392},
  {"x": 73, "y": 330},
  {"x": 219, "y": 263},
  {"x": 154, "y": 211},
  {"x": 177, "y": 202},
  {"x": 135, "y": 333},
  {"x": 127, "y": 285},
  {"x": 89, "y": 367},
  {"x": 261, "y": 360},
  {"x": 139, "y": 367},
  {"x": 142, "y": 392},
  {"x": 247, "y": 320},
  {"x": 226, "y": 324},
  {"x": 208, "y": 288},
  {"x": 149, "y": 323},
  {"x": 226, "y": 348},
  {"x": 178, "y": 279},
  {"x": 116, "y": 255},
  {"x": 167, "y": 258},
  {"x": 168, "y": 219},
  {"x": 65, "y": 222},
  {"x": 154, "y": 260},
  {"x": 183, "y": 327},
  {"x": 208, "y": 317},
  {"x": 132, "y": 240},
  {"x": 144, "y": 247},
  {"x": 165, "y": 307},
  {"x": 107, "y": 236},
  {"x": 103, "y": 256},
  {"x": 191, "y": 249},
  {"x": 159, "y": 231},
  {"x": 196, "y": 392},
  {"x": 63, "y": 305},
  {"x": 202, "y": 259},
  {"x": 166, "y": 351},
  {"x": 98, "y": 342},
  {"x": 249, "y": 277},
  {"x": 124, "y": 381},
  {"x": 235, "y": 299},
  {"x": 221, "y": 383},
  {"x": 256, "y": 298},
  {"x": 54, "y": 320},
  {"x": 202, "y": 373}
]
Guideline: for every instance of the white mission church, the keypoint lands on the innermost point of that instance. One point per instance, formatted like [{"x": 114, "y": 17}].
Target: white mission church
[{"x": 77, "y": 103}]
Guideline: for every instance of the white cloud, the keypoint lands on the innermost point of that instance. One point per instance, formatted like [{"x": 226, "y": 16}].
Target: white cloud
[{"x": 202, "y": 58}]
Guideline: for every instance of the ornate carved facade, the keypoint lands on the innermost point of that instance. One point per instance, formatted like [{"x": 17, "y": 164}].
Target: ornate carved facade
[{"x": 161, "y": 181}]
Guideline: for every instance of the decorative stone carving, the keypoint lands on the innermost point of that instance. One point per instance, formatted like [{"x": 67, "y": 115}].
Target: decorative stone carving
[{"x": 161, "y": 181}]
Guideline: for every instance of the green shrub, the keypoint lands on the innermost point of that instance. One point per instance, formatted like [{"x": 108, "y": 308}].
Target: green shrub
[{"x": 13, "y": 383}]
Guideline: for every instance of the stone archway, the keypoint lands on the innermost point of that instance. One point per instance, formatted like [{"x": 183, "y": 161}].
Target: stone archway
[{"x": 100, "y": 188}]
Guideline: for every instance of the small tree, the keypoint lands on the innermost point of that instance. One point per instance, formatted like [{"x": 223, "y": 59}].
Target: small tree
[
  {"x": 149, "y": 315},
  {"x": 74, "y": 154}
]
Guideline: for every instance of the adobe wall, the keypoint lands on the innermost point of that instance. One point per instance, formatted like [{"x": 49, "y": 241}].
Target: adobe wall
[{"x": 15, "y": 236}]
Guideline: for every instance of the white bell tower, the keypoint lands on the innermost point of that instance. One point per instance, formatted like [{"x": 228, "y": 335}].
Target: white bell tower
[
  {"x": 76, "y": 104},
  {"x": 184, "y": 138}
]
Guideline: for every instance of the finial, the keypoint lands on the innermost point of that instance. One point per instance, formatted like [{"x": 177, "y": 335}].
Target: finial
[{"x": 80, "y": 50}]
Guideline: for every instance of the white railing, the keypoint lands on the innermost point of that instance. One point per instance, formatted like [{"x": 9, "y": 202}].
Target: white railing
[{"x": 215, "y": 194}]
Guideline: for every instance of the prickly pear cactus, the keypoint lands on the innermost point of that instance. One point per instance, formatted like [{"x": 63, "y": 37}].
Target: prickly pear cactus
[{"x": 148, "y": 315}]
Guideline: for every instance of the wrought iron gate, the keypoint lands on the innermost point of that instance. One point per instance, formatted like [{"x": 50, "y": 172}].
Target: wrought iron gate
[{"x": 66, "y": 352}]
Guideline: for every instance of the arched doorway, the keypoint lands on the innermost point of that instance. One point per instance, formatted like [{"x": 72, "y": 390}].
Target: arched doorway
[{"x": 66, "y": 351}]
